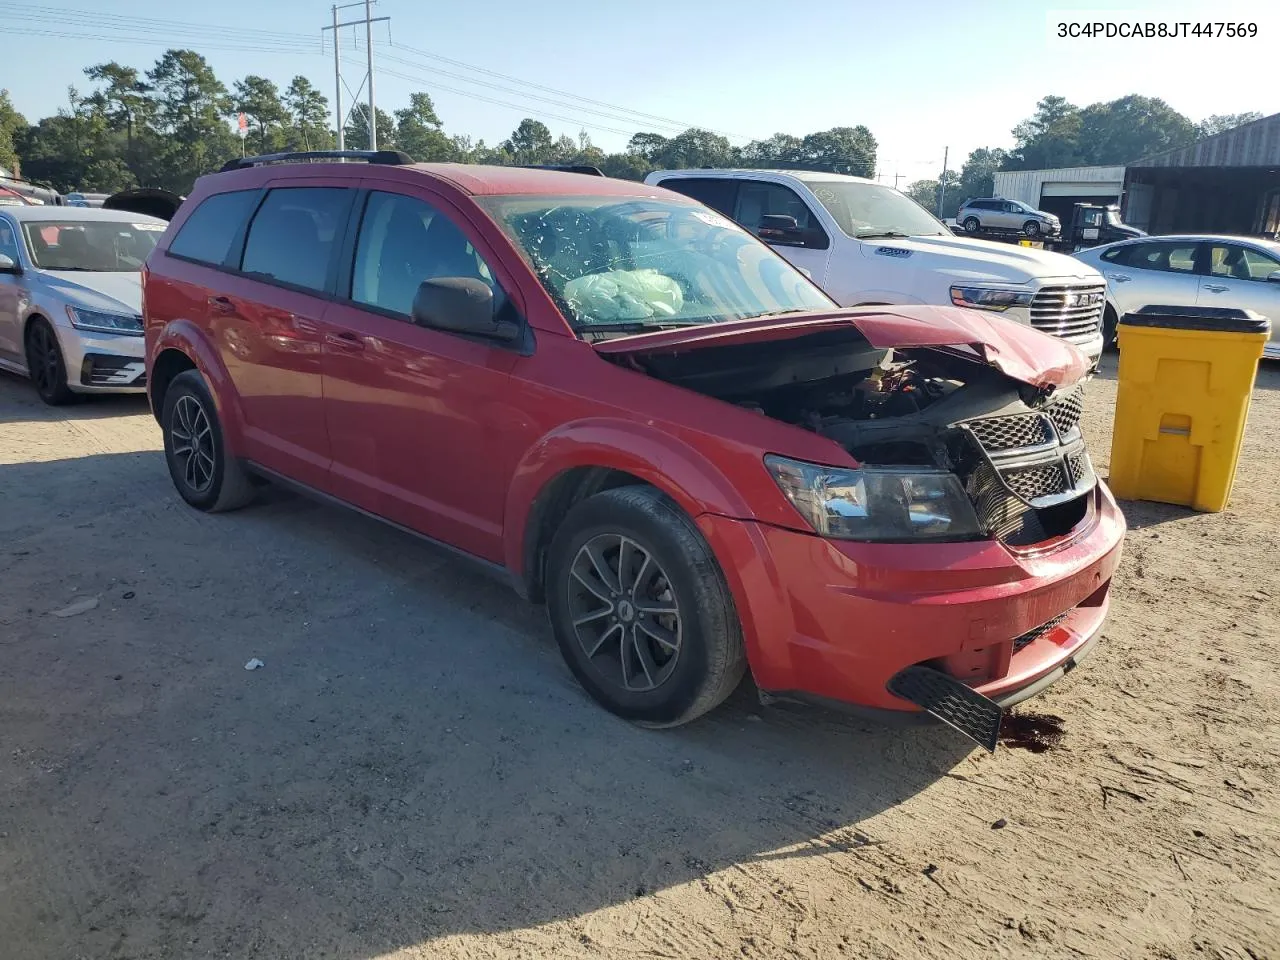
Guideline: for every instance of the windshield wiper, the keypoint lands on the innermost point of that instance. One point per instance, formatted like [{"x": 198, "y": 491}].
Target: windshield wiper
[
  {"x": 637, "y": 326},
  {"x": 882, "y": 234}
]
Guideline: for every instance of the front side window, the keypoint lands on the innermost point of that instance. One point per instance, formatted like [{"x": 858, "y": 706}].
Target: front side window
[
  {"x": 292, "y": 237},
  {"x": 1165, "y": 257},
  {"x": 90, "y": 246},
  {"x": 868, "y": 210},
  {"x": 206, "y": 236},
  {"x": 8, "y": 242},
  {"x": 758, "y": 199},
  {"x": 404, "y": 241},
  {"x": 1241, "y": 263},
  {"x": 649, "y": 263}
]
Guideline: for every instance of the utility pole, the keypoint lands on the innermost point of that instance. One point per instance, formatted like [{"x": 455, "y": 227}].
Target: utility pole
[
  {"x": 337, "y": 84},
  {"x": 896, "y": 178},
  {"x": 942, "y": 181},
  {"x": 368, "y": 21}
]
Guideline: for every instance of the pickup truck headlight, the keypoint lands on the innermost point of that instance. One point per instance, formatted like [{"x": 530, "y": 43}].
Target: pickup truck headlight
[
  {"x": 100, "y": 322},
  {"x": 990, "y": 298},
  {"x": 879, "y": 504}
]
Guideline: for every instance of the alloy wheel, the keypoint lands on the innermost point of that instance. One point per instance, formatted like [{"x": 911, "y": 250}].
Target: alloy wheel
[
  {"x": 625, "y": 615},
  {"x": 44, "y": 359},
  {"x": 193, "y": 447}
]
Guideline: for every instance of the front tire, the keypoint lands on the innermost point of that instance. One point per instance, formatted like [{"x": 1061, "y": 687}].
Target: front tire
[
  {"x": 195, "y": 451},
  {"x": 641, "y": 610},
  {"x": 45, "y": 365},
  {"x": 1031, "y": 229},
  {"x": 971, "y": 224}
]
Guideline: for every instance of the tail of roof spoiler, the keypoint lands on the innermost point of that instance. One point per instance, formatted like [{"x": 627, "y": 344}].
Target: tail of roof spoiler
[
  {"x": 566, "y": 168},
  {"x": 148, "y": 201}
]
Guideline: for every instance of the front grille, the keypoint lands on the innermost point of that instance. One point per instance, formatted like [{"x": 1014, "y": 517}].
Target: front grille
[
  {"x": 1005, "y": 433},
  {"x": 1037, "y": 482},
  {"x": 1031, "y": 636},
  {"x": 1065, "y": 411},
  {"x": 1072, "y": 312}
]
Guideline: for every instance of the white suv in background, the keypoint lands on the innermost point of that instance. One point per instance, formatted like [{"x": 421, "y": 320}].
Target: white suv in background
[{"x": 865, "y": 243}]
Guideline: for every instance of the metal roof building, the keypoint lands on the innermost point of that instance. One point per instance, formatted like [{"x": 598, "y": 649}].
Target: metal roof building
[{"x": 1058, "y": 191}]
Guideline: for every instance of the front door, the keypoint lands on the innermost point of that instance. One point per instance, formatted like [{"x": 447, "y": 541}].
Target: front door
[
  {"x": 760, "y": 202},
  {"x": 11, "y": 295},
  {"x": 266, "y": 322},
  {"x": 410, "y": 411}
]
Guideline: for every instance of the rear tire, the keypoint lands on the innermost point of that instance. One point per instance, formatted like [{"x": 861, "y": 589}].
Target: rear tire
[
  {"x": 45, "y": 365},
  {"x": 971, "y": 225},
  {"x": 619, "y": 560},
  {"x": 194, "y": 448}
]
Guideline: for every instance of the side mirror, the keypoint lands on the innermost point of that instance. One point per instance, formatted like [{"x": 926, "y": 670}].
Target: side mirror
[
  {"x": 7, "y": 265},
  {"x": 1271, "y": 278},
  {"x": 461, "y": 305},
  {"x": 781, "y": 228}
]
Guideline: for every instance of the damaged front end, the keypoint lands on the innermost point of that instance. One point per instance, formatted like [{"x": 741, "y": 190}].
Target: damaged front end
[{"x": 957, "y": 433}]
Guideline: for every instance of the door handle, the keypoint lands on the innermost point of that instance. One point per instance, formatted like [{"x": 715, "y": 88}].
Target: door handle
[
  {"x": 345, "y": 340},
  {"x": 222, "y": 304},
  {"x": 1118, "y": 277},
  {"x": 303, "y": 325},
  {"x": 1216, "y": 287}
]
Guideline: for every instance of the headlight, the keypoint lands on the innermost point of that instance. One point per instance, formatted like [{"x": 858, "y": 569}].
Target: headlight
[
  {"x": 990, "y": 298},
  {"x": 877, "y": 503},
  {"x": 100, "y": 322}
]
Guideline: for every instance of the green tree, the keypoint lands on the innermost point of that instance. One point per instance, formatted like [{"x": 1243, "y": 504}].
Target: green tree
[
  {"x": 1050, "y": 138},
  {"x": 695, "y": 148},
  {"x": 259, "y": 100},
  {"x": 977, "y": 175},
  {"x": 1129, "y": 129},
  {"x": 308, "y": 117},
  {"x": 780, "y": 148},
  {"x": 647, "y": 145},
  {"x": 357, "y": 132},
  {"x": 850, "y": 150},
  {"x": 12, "y": 123},
  {"x": 123, "y": 97},
  {"x": 190, "y": 106},
  {"x": 530, "y": 142},
  {"x": 1222, "y": 122},
  {"x": 420, "y": 133},
  {"x": 925, "y": 193}
]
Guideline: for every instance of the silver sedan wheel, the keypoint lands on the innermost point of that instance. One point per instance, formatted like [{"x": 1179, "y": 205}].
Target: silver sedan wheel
[{"x": 625, "y": 615}]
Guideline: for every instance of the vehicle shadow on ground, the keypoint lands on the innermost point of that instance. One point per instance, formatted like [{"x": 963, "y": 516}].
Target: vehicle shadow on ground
[
  {"x": 413, "y": 761},
  {"x": 21, "y": 403},
  {"x": 1268, "y": 371}
]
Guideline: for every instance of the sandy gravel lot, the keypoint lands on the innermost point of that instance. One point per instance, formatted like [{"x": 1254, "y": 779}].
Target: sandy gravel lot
[{"x": 415, "y": 774}]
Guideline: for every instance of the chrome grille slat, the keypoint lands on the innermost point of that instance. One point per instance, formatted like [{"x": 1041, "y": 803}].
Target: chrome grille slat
[{"x": 1053, "y": 313}]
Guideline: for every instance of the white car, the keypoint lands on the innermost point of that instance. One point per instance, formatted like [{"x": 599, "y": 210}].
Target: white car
[
  {"x": 1191, "y": 271},
  {"x": 865, "y": 243},
  {"x": 71, "y": 298}
]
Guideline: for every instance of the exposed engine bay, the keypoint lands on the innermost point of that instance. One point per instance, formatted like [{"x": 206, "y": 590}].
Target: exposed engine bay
[{"x": 1017, "y": 448}]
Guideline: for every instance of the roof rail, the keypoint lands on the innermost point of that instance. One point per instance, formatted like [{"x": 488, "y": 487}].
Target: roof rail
[
  {"x": 566, "y": 168},
  {"x": 392, "y": 158}
]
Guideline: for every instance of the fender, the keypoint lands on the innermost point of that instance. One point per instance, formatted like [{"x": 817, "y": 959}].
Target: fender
[
  {"x": 668, "y": 463},
  {"x": 186, "y": 337}
]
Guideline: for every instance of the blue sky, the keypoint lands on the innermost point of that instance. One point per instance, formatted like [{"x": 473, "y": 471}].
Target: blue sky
[{"x": 922, "y": 74}]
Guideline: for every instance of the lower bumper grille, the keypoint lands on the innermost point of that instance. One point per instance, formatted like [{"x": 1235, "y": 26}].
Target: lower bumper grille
[
  {"x": 1031, "y": 636},
  {"x": 105, "y": 370}
]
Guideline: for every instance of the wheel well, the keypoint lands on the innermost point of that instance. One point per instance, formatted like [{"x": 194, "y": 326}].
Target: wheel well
[
  {"x": 32, "y": 318},
  {"x": 168, "y": 365},
  {"x": 553, "y": 504}
]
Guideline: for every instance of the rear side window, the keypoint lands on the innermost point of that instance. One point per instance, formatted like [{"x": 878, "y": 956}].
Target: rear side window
[
  {"x": 718, "y": 194},
  {"x": 209, "y": 232},
  {"x": 293, "y": 236}
]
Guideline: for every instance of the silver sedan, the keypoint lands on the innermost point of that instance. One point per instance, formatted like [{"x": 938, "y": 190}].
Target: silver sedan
[
  {"x": 1189, "y": 271},
  {"x": 71, "y": 298}
]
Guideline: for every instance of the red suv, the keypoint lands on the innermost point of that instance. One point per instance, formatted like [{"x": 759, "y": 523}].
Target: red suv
[{"x": 647, "y": 420}]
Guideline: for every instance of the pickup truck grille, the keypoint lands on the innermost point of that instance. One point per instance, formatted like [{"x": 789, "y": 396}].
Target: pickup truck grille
[
  {"x": 1029, "y": 462},
  {"x": 1072, "y": 312}
]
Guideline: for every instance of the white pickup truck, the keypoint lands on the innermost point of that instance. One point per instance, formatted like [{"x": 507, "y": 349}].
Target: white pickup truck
[{"x": 865, "y": 243}]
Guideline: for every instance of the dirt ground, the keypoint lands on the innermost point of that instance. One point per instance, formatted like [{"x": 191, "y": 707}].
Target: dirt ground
[{"x": 415, "y": 774}]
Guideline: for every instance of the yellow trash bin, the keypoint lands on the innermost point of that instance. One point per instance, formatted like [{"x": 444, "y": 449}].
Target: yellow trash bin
[{"x": 1186, "y": 379}]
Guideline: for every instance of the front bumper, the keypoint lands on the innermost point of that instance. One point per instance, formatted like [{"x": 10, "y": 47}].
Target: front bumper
[
  {"x": 102, "y": 362},
  {"x": 837, "y": 620}
]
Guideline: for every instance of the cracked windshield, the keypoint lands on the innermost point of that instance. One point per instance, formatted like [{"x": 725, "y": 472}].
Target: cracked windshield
[{"x": 630, "y": 265}]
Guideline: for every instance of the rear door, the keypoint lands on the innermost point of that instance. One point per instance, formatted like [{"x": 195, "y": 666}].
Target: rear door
[
  {"x": 1155, "y": 272},
  {"x": 1236, "y": 275},
  {"x": 265, "y": 318}
]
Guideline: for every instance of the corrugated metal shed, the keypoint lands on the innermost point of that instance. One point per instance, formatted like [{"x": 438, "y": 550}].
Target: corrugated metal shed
[
  {"x": 1029, "y": 186},
  {"x": 1255, "y": 144}
]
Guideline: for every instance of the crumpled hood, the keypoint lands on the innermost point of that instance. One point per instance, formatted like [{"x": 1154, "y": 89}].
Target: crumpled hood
[
  {"x": 114, "y": 292},
  {"x": 1014, "y": 349},
  {"x": 974, "y": 261}
]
